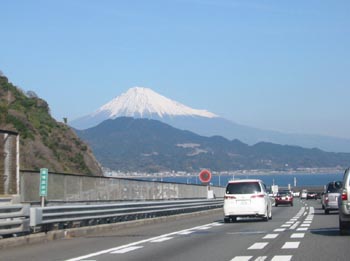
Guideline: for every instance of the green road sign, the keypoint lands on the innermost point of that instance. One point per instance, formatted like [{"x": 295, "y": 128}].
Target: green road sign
[{"x": 44, "y": 180}]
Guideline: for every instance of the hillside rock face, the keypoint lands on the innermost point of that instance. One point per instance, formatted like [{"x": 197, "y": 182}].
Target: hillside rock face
[{"x": 44, "y": 142}]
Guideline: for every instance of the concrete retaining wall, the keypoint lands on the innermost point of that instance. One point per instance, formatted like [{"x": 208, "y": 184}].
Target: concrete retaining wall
[{"x": 75, "y": 188}]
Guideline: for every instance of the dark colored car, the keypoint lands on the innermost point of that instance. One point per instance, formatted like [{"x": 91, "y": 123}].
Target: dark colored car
[
  {"x": 311, "y": 195},
  {"x": 284, "y": 198}
]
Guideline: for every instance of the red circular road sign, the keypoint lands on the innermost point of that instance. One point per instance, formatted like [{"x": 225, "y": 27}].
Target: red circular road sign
[{"x": 205, "y": 176}]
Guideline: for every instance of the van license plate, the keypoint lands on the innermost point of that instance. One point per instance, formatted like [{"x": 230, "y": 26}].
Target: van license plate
[{"x": 243, "y": 202}]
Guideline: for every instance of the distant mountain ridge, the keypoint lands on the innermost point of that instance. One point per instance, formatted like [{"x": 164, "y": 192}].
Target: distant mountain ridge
[
  {"x": 129, "y": 144},
  {"x": 141, "y": 102}
]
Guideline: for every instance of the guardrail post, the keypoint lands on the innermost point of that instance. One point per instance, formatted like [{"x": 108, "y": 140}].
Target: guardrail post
[{"x": 36, "y": 216}]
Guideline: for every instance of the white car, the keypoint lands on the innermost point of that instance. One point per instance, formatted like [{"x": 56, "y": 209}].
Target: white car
[
  {"x": 246, "y": 198},
  {"x": 296, "y": 194}
]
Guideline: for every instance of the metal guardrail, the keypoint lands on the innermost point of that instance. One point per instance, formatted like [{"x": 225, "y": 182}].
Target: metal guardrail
[
  {"x": 84, "y": 215},
  {"x": 14, "y": 219}
]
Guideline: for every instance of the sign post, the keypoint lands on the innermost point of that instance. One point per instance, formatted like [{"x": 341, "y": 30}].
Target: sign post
[
  {"x": 205, "y": 177},
  {"x": 44, "y": 180}
]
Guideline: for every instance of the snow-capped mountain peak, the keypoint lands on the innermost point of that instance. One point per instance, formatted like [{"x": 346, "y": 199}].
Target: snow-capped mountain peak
[{"x": 144, "y": 102}]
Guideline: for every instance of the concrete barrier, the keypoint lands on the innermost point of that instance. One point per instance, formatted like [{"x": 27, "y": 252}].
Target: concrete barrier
[{"x": 78, "y": 188}]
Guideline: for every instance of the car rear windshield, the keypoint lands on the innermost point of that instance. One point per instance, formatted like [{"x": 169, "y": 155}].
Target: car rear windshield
[
  {"x": 284, "y": 193},
  {"x": 243, "y": 188},
  {"x": 334, "y": 187}
]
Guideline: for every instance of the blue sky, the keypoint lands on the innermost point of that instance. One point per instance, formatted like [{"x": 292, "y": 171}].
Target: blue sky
[{"x": 278, "y": 65}]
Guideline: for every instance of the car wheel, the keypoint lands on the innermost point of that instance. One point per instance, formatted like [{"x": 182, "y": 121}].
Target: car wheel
[
  {"x": 266, "y": 216},
  {"x": 276, "y": 205},
  {"x": 233, "y": 219},
  {"x": 226, "y": 220},
  {"x": 342, "y": 228}
]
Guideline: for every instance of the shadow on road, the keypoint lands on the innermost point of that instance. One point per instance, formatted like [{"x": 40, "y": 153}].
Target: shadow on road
[{"x": 330, "y": 232}]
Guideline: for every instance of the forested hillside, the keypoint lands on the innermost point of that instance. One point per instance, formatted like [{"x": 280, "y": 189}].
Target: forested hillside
[{"x": 44, "y": 142}]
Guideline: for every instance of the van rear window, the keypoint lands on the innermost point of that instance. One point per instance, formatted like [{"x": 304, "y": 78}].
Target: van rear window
[
  {"x": 334, "y": 187},
  {"x": 243, "y": 188}
]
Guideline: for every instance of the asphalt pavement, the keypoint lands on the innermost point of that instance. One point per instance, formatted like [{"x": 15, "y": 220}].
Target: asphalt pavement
[{"x": 301, "y": 232}]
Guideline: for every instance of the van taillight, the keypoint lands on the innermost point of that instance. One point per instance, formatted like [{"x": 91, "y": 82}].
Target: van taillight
[
  {"x": 344, "y": 196},
  {"x": 258, "y": 196},
  {"x": 230, "y": 197}
]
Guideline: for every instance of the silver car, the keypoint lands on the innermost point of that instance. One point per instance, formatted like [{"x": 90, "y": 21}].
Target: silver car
[
  {"x": 344, "y": 204},
  {"x": 331, "y": 195}
]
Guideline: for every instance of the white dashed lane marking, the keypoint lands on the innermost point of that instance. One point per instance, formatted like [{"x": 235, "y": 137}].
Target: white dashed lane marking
[
  {"x": 295, "y": 225},
  {"x": 241, "y": 258},
  {"x": 259, "y": 245},
  {"x": 270, "y": 236},
  {"x": 137, "y": 245},
  {"x": 291, "y": 245},
  {"x": 306, "y": 213},
  {"x": 297, "y": 235},
  {"x": 281, "y": 258},
  {"x": 260, "y": 258},
  {"x": 279, "y": 230},
  {"x": 302, "y": 229}
]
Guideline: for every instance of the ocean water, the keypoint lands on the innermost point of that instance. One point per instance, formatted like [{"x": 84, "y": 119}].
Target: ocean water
[{"x": 283, "y": 180}]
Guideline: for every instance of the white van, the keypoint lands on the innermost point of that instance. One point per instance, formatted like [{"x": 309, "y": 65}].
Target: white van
[
  {"x": 246, "y": 198},
  {"x": 303, "y": 194}
]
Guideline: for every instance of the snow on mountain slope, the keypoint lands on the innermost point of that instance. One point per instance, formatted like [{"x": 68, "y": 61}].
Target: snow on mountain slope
[{"x": 139, "y": 101}]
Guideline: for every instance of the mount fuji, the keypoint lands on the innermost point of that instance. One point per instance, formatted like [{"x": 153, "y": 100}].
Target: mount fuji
[{"x": 140, "y": 102}]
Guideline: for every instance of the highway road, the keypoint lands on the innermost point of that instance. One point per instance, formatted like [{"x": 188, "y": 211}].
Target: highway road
[{"x": 301, "y": 232}]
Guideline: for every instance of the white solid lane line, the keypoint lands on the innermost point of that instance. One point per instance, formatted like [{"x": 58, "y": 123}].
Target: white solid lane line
[
  {"x": 114, "y": 249},
  {"x": 186, "y": 232},
  {"x": 159, "y": 240},
  {"x": 126, "y": 250}
]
